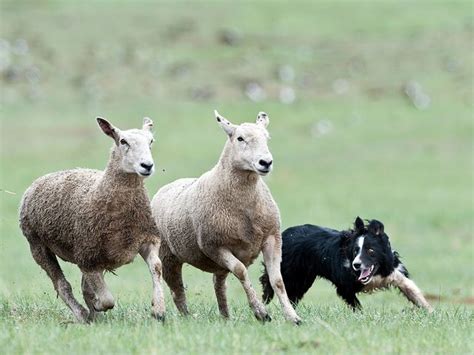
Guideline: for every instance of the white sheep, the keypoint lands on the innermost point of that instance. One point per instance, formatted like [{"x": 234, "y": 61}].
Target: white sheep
[
  {"x": 221, "y": 221},
  {"x": 98, "y": 220}
]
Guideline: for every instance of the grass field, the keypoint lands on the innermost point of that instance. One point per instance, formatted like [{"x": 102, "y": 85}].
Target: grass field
[{"x": 347, "y": 140}]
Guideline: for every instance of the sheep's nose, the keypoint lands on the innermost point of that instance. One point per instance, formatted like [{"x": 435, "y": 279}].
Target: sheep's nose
[
  {"x": 356, "y": 266},
  {"x": 146, "y": 166},
  {"x": 265, "y": 163}
]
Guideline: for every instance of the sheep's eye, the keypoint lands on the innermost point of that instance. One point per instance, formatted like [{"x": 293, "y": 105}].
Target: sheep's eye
[
  {"x": 240, "y": 139},
  {"x": 371, "y": 252},
  {"x": 152, "y": 141},
  {"x": 123, "y": 142}
]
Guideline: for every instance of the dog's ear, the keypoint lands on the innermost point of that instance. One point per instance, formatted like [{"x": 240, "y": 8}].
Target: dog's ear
[
  {"x": 376, "y": 227},
  {"x": 359, "y": 225}
]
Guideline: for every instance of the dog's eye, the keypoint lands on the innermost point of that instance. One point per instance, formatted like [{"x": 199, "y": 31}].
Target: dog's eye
[
  {"x": 371, "y": 252},
  {"x": 240, "y": 139},
  {"x": 355, "y": 252},
  {"x": 124, "y": 142}
]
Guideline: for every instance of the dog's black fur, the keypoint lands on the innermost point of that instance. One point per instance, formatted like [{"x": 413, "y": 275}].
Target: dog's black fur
[{"x": 310, "y": 251}]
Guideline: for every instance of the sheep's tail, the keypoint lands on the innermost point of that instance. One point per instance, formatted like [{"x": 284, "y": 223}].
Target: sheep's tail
[{"x": 268, "y": 292}]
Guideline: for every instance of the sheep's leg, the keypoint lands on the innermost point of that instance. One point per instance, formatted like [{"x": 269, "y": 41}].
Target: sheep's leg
[
  {"x": 226, "y": 259},
  {"x": 272, "y": 257},
  {"x": 89, "y": 297},
  {"x": 96, "y": 294},
  {"x": 149, "y": 253},
  {"x": 220, "y": 289},
  {"x": 410, "y": 290},
  {"x": 49, "y": 263},
  {"x": 172, "y": 273}
]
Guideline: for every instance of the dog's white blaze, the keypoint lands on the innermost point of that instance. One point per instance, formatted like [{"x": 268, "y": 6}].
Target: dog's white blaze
[{"x": 360, "y": 243}]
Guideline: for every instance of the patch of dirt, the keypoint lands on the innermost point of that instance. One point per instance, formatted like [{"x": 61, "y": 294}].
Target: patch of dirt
[
  {"x": 311, "y": 344},
  {"x": 439, "y": 298}
]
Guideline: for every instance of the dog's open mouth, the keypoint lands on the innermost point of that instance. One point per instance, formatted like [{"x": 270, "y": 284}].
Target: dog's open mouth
[{"x": 366, "y": 275}]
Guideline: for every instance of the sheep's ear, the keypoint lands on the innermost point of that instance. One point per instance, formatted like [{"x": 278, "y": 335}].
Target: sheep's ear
[
  {"x": 263, "y": 119},
  {"x": 226, "y": 125},
  {"x": 359, "y": 225},
  {"x": 375, "y": 227},
  {"x": 108, "y": 129},
  {"x": 147, "y": 124}
]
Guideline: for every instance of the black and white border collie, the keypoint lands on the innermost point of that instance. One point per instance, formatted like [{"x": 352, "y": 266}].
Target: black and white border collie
[{"x": 357, "y": 260}]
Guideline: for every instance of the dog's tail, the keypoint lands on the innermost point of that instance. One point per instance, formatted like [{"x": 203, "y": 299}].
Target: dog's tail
[{"x": 267, "y": 288}]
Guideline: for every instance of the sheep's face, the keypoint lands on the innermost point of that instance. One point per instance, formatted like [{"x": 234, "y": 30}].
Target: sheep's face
[
  {"x": 133, "y": 147},
  {"x": 248, "y": 144}
]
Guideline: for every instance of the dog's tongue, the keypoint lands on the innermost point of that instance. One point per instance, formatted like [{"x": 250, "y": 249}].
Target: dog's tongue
[{"x": 364, "y": 273}]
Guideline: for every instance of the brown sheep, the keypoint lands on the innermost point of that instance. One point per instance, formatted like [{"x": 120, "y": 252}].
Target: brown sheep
[{"x": 98, "y": 220}]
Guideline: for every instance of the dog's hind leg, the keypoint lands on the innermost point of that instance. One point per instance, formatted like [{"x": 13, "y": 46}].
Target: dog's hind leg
[
  {"x": 410, "y": 290},
  {"x": 350, "y": 298},
  {"x": 267, "y": 289}
]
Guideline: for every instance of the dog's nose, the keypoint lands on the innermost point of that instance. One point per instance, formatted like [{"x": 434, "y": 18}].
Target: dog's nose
[
  {"x": 265, "y": 163},
  {"x": 356, "y": 265},
  {"x": 147, "y": 167}
]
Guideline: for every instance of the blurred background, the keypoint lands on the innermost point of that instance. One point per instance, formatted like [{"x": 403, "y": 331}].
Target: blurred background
[{"x": 370, "y": 106}]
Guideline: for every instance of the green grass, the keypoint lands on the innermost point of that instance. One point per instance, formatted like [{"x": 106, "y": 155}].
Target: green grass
[
  {"x": 130, "y": 329},
  {"x": 383, "y": 158}
]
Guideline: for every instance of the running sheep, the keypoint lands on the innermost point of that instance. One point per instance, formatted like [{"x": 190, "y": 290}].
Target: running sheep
[
  {"x": 98, "y": 220},
  {"x": 221, "y": 221}
]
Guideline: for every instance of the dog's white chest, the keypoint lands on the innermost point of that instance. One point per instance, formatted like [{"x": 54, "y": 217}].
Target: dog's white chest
[{"x": 376, "y": 283}]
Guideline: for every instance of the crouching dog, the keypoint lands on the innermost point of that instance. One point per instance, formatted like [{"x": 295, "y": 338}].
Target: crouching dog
[{"x": 356, "y": 260}]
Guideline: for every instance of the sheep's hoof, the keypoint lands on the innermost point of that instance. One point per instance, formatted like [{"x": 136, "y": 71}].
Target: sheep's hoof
[
  {"x": 160, "y": 317},
  {"x": 264, "y": 318},
  {"x": 92, "y": 316},
  {"x": 298, "y": 321},
  {"x": 82, "y": 316}
]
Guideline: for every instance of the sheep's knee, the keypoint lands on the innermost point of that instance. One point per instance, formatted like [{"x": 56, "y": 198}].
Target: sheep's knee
[
  {"x": 240, "y": 272},
  {"x": 278, "y": 284},
  {"x": 105, "y": 302},
  {"x": 96, "y": 293},
  {"x": 103, "y": 299}
]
